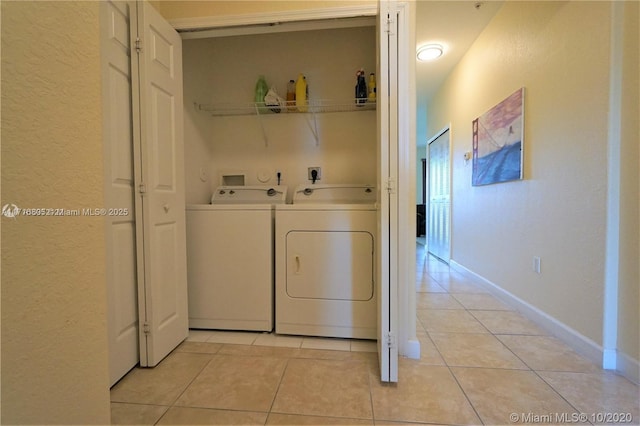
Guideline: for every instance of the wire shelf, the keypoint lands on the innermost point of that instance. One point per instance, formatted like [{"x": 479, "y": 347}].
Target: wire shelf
[{"x": 313, "y": 107}]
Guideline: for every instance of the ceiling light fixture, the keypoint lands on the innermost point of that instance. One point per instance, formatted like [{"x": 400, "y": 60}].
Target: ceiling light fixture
[{"x": 429, "y": 52}]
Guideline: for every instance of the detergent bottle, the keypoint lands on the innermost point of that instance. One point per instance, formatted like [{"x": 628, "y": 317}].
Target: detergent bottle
[
  {"x": 302, "y": 93},
  {"x": 261, "y": 90},
  {"x": 372, "y": 88}
]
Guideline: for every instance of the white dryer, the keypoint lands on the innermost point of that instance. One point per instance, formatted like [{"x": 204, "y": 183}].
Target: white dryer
[
  {"x": 325, "y": 262},
  {"x": 230, "y": 258}
]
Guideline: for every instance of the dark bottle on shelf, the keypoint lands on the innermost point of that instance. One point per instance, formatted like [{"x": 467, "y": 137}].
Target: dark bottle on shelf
[{"x": 361, "y": 87}]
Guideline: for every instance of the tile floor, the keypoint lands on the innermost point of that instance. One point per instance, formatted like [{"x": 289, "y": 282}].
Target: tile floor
[{"x": 481, "y": 362}]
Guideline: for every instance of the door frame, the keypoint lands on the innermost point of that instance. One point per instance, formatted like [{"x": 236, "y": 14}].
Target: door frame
[{"x": 405, "y": 304}]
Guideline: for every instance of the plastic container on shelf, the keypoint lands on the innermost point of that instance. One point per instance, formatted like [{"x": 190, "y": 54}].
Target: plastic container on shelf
[
  {"x": 302, "y": 93},
  {"x": 261, "y": 90},
  {"x": 372, "y": 88},
  {"x": 291, "y": 95},
  {"x": 361, "y": 87}
]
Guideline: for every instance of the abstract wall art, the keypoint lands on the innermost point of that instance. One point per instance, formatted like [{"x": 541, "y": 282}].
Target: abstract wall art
[{"x": 498, "y": 142}]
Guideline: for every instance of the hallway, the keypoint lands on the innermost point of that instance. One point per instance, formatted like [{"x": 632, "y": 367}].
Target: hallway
[{"x": 482, "y": 363}]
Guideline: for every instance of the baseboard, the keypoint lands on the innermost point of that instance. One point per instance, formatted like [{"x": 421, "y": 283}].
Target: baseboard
[
  {"x": 412, "y": 349},
  {"x": 628, "y": 367},
  {"x": 581, "y": 344}
]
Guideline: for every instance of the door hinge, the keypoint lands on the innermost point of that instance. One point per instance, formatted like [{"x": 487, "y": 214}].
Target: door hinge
[
  {"x": 391, "y": 185},
  {"x": 146, "y": 329},
  {"x": 142, "y": 189},
  {"x": 390, "y": 22},
  {"x": 138, "y": 45},
  {"x": 390, "y": 340}
]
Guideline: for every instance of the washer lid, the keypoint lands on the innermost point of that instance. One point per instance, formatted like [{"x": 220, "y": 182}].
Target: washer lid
[
  {"x": 335, "y": 194},
  {"x": 256, "y": 194}
]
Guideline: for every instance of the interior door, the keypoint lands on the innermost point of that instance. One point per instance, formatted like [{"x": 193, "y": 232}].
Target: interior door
[
  {"x": 439, "y": 230},
  {"x": 120, "y": 231},
  {"x": 387, "y": 243},
  {"x": 160, "y": 199}
]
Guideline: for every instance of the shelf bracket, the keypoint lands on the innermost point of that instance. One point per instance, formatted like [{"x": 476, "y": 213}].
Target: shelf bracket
[
  {"x": 264, "y": 132},
  {"x": 314, "y": 127}
]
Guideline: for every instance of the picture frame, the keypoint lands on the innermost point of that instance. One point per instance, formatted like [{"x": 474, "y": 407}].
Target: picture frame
[{"x": 498, "y": 142}]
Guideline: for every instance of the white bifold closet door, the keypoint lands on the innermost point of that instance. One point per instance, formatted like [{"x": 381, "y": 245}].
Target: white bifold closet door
[
  {"x": 392, "y": 24},
  {"x": 160, "y": 200},
  {"x": 144, "y": 176},
  {"x": 119, "y": 190}
]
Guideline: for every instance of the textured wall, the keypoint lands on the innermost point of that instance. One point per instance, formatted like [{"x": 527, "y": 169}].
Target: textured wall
[
  {"x": 54, "y": 347},
  {"x": 559, "y": 51}
]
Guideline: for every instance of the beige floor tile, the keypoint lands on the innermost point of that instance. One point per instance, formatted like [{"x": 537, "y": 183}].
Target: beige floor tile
[
  {"x": 428, "y": 285},
  {"x": 507, "y": 322},
  {"x": 424, "y": 393},
  {"x": 207, "y": 416},
  {"x": 135, "y": 414},
  {"x": 497, "y": 395},
  {"x": 481, "y": 301},
  {"x": 325, "y": 388},
  {"x": 455, "y": 283},
  {"x": 235, "y": 383},
  {"x": 255, "y": 350},
  {"x": 292, "y": 419},
  {"x": 449, "y": 321},
  {"x": 475, "y": 350},
  {"x": 199, "y": 347},
  {"x": 601, "y": 392},
  {"x": 547, "y": 353},
  {"x": 326, "y": 344},
  {"x": 199, "y": 335},
  {"x": 429, "y": 354},
  {"x": 162, "y": 384},
  {"x": 272, "y": 339},
  {"x": 437, "y": 301},
  {"x": 435, "y": 265},
  {"x": 334, "y": 355},
  {"x": 233, "y": 337},
  {"x": 364, "y": 346}
]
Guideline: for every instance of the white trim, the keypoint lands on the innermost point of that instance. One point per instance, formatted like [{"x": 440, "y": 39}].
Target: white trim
[
  {"x": 406, "y": 170},
  {"x": 609, "y": 359},
  {"x": 208, "y": 22},
  {"x": 628, "y": 367},
  {"x": 581, "y": 344},
  {"x": 286, "y": 27},
  {"x": 612, "y": 250},
  {"x": 439, "y": 133},
  {"x": 412, "y": 349}
]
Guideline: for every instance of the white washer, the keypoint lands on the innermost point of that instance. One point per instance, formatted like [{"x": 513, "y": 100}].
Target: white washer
[
  {"x": 230, "y": 258},
  {"x": 325, "y": 268}
]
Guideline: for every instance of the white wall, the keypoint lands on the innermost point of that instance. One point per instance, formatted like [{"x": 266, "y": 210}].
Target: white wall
[
  {"x": 559, "y": 51},
  {"x": 54, "y": 332},
  {"x": 226, "y": 69}
]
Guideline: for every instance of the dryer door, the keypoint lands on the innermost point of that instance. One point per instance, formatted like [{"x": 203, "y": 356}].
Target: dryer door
[{"x": 330, "y": 265}]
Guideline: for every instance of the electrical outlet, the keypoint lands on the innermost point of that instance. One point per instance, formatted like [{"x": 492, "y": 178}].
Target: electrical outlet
[
  {"x": 310, "y": 172},
  {"x": 536, "y": 264}
]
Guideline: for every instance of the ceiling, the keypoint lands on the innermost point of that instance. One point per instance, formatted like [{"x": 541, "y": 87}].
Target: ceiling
[{"x": 455, "y": 25}]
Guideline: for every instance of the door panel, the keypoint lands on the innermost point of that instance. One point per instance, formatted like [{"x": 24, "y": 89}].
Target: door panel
[
  {"x": 160, "y": 177},
  {"x": 330, "y": 265},
  {"x": 438, "y": 234},
  {"x": 119, "y": 189},
  {"x": 387, "y": 269}
]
